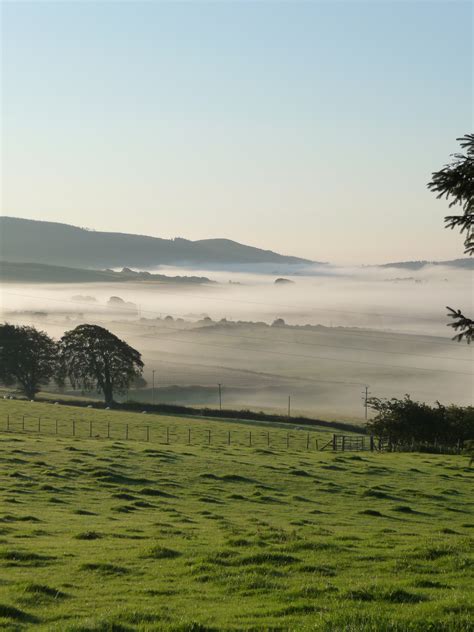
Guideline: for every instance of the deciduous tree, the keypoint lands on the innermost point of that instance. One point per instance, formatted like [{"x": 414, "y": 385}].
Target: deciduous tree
[
  {"x": 94, "y": 358},
  {"x": 28, "y": 358}
]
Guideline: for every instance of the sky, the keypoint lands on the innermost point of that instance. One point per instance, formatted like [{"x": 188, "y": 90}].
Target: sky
[{"x": 309, "y": 128}]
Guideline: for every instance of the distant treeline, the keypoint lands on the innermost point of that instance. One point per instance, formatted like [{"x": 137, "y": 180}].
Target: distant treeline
[
  {"x": 466, "y": 263},
  {"x": 15, "y": 272}
]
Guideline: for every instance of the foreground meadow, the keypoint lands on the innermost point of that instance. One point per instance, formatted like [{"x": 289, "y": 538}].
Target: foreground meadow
[{"x": 112, "y": 535}]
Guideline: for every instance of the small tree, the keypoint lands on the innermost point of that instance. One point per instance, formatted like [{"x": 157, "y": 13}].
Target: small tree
[
  {"x": 455, "y": 182},
  {"x": 94, "y": 358},
  {"x": 28, "y": 357}
]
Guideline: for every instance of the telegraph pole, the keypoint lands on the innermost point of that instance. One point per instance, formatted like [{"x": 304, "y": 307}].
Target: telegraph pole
[
  {"x": 220, "y": 396},
  {"x": 153, "y": 387},
  {"x": 365, "y": 399}
]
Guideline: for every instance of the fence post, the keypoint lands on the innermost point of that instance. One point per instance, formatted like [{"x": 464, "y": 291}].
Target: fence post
[
  {"x": 287, "y": 439},
  {"x": 317, "y": 444},
  {"x": 167, "y": 435},
  {"x": 268, "y": 439},
  {"x": 228, "y": 437},
  {"x": 90, "y": 428},
  {"x": 56, "y": 427},
  {"x": 8, "y": 422},
  {"x": 39, "y": 424},
  {"x": 126, "y": 431},
  {"x": 371, "y": 443},
  {"x": 343, "y": 442},
  {"x": 73, "y": 427},
  {"x": 148, "y": 433},
  {"x": 208, "y": 437},
  {"x": 189, "y": 436},
  {"x": 250, "y": 439},
  {"x": 108, "y": 430},
  {"x": 334, "y": 445},
  {"x": 23, "y": 423},
  {"x": 307, "y": 441}
]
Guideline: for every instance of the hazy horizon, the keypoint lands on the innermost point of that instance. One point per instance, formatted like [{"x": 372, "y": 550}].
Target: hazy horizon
[{"x": 310, "y": 129}]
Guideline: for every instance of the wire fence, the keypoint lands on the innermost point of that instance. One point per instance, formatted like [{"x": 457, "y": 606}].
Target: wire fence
[
  {"x": 200, "y": 435},
  {"x": 164, "y": 434}
]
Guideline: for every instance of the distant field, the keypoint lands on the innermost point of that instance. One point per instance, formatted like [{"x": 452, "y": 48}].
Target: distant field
[
  {"x": 144, "y": 396},
  {"x": 106, "y": 535}
]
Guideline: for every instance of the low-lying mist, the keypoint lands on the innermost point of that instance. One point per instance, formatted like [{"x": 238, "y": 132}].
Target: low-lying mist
[{"x": 384, "y": 327}]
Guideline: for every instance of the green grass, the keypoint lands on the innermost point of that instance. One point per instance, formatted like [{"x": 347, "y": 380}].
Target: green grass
[{"x": 104, "y": 535}]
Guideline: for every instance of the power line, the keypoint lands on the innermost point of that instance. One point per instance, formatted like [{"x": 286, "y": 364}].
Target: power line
[
  {"x": 233, "y": 348},
  {"x": 318, "y": 344},
  {"x": 261, "y": 374},
  {"x": 353, "y": 332},
  {"x": 365, "y": 398},
  {"x": 298, "y": 355},
  {"x": 281, "y": 353}
]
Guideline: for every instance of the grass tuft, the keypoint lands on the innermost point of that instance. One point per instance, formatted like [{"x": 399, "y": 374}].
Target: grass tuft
[
  {"x": 158, "y": 552},
  {"x": 10, "y": 612},
  {"x": 104, "y": 568}
]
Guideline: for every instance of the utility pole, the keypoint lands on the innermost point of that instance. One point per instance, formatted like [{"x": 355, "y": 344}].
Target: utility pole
[
  {"x": 365, "y": 399},
  {"x": 289, "y": 406},
  {"x": 153, "y": 387},
  {"x": 220, "y": 396}
]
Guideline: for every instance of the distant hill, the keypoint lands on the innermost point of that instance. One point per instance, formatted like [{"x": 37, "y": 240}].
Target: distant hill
[
  {"x": 24, "y": 240},
  {"x": 467, "y": 263},
  {"x": 42, "y": 273}
]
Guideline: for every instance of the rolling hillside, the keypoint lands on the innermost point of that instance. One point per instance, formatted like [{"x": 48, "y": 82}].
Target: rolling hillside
[
  {"x": 101, "y": 535},
  {"x": 24, "y": 240}
]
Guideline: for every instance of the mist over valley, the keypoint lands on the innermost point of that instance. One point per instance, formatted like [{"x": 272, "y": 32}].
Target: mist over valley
[{"x": 319, "y": 337}]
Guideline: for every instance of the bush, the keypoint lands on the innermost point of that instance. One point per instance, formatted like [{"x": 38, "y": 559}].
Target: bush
[{"x": 407, "y": 421}]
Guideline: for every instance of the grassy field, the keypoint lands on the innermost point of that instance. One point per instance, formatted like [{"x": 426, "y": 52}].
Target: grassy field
[
  {"x": 108, "y": 535},
  {"x": 75, "y": 422}
]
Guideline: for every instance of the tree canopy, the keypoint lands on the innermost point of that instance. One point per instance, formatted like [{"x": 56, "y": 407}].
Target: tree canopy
[
  {"x": 455, "y": 182},
  {"x": 28, "y": 358},
  {"x": 94, "y": 358},
  {"x": 405, "y": 420}
]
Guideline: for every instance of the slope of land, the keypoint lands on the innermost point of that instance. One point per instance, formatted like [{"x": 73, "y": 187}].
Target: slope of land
[
  {"x": 466, "y": 263},
  {"x": 64, "y": 245},
  {"x": 42, "y": 273},
  {"x": 324, "y": 369},
  {"x": 101, "y": 534}
]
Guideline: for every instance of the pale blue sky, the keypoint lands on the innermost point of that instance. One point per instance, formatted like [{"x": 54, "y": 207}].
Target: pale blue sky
[{"x": 306, "y": 127}]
